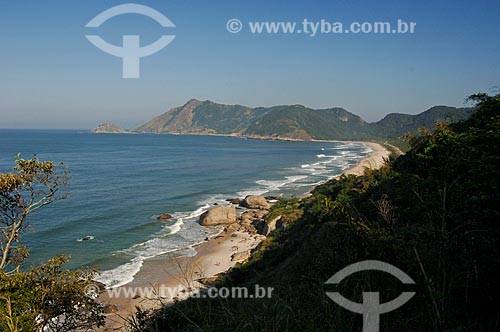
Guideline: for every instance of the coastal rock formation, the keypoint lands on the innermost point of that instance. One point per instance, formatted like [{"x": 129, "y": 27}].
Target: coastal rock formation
[
  {"x": 240, "y": 256},
  {"x": 221, "y": 215},
  {"x": 255, "y": 202},
  {"x": 164, "y": 216},
  {"x": 108, "y": 128},
  {"x": 271, "y": 225},
  {"x": 235, "y": 201},
  {"x": 253, "y": 221}
]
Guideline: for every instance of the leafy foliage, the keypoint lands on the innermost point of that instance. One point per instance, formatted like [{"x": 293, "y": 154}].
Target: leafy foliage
[
  {"x": 44, "y": 298},
  {"x": 32, "y": 185},
  {"x": 48, "y": 298}
]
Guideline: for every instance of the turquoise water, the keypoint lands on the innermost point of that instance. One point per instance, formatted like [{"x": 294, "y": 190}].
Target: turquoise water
[{"x": 121, "y": 183}]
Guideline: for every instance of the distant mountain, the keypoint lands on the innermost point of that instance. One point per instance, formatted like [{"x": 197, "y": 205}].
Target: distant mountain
[
  {"x": 108, "y": 128},
  {"x": 197, "y": 117},
  {"x": 299, "y": 122},
  {"x": 290, "y": 122},
  {"x": 396, "y": 124}
]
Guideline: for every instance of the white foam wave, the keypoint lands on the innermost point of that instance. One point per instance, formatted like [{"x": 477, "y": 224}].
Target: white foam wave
[
  {"x": 198, "y": 212},
  {"x": 276, "y": 185},
  {"x": 188, "y": 232},
  {"x": 122, "y": 274},
  {"x": 256, "y": 191},
  {"x": 367, "y": 149},
  {"x": 175, "y": 228}
]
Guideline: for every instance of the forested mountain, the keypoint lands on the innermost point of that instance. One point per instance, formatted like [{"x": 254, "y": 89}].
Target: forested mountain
[{"x": 291, "y": 122}]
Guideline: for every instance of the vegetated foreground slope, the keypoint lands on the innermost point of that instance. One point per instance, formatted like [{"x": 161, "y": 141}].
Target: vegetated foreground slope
[{"x": 434, "y": 213}]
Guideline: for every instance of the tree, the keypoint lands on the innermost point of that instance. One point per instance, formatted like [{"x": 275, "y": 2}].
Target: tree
[
  {"x": 32, "y": 185},
  {"x": 46, "y": 297}
]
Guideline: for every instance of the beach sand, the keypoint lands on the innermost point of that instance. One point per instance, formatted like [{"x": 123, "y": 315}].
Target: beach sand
[
  {"x": 166, "y": 278},
  {"x": 374, "y": 161}
]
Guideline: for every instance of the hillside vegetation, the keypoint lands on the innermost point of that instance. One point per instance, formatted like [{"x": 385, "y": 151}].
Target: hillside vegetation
[
  {"x": 433, "y": 212},
  {"x": 292, "y": 122}
]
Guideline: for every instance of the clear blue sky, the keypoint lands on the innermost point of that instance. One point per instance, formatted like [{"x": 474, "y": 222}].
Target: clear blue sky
[{"x": 52, "y": 77}]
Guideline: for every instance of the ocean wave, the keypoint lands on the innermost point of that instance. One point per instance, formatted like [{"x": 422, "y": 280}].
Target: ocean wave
[
  {"x": 255, "y": 191},
  {"x": 185, "y": 233},
  {"x": 175, "y": 228},
  {"x": 122, "y": 274}
]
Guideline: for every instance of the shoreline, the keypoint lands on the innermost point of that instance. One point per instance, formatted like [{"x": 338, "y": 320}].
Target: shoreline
[{"x": 168, "y": 278}]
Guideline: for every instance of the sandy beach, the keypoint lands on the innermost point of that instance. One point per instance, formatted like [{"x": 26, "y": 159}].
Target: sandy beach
[
  {"x": 168, "y": 278},
  {"x": 374, "y": 161}
]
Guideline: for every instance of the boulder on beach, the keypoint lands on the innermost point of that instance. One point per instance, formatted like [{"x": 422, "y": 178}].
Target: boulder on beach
[
  {"x": 255, "y": 202},
  {"x": 221, "y": 215},
  {"x": 164, "y": 216}
]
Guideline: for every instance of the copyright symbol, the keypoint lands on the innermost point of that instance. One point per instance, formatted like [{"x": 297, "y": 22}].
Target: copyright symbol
[
  {"x": 91, "y": 290},
  {"x": 234, "y": 25}
]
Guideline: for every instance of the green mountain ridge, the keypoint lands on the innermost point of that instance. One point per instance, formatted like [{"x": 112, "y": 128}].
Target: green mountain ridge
[{"x": 291, "y": 122}]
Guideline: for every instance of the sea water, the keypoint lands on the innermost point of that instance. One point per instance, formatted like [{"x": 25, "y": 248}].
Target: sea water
[{"x": 121, "y": 183}]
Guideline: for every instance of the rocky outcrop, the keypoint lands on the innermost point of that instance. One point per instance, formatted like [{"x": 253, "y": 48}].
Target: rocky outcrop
[
  {"x": 255, "y": 202},
  {"x": 240, "y": 256},
  {"x": 271, "y": 225},
  {"x": 108, "y": 128},
  {"x": 164, "y": 216},
  {"x": 221, "y": 215},
  {"x": 210, "y": 281},
  {"x": 235, "y": 201},
  {"x": 253, "y": 221}
]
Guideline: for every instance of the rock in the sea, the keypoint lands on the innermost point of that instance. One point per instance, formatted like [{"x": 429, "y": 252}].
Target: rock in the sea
[
  {"x": 221, "y": 215},
  {"x": 108, "y": 128},
  {"x": 164, "y": 216},
  {"x": 255, "y": 202},
  {"x": 235, "y": 201}
]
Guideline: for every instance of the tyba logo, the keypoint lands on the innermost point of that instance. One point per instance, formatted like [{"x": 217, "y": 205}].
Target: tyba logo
[
  {"x": 371, "y": 308},
  {"x": 131, "y": 51}
]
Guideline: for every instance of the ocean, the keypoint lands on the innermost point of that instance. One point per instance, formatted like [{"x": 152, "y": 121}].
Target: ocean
[{"x": 121, "y": 183}]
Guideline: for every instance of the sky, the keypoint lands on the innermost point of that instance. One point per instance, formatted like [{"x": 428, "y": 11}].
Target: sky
[{"x": 51, "y": 76}]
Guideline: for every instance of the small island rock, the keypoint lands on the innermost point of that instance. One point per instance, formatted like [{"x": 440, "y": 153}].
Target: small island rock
[{"x": 164, "y": 216}]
